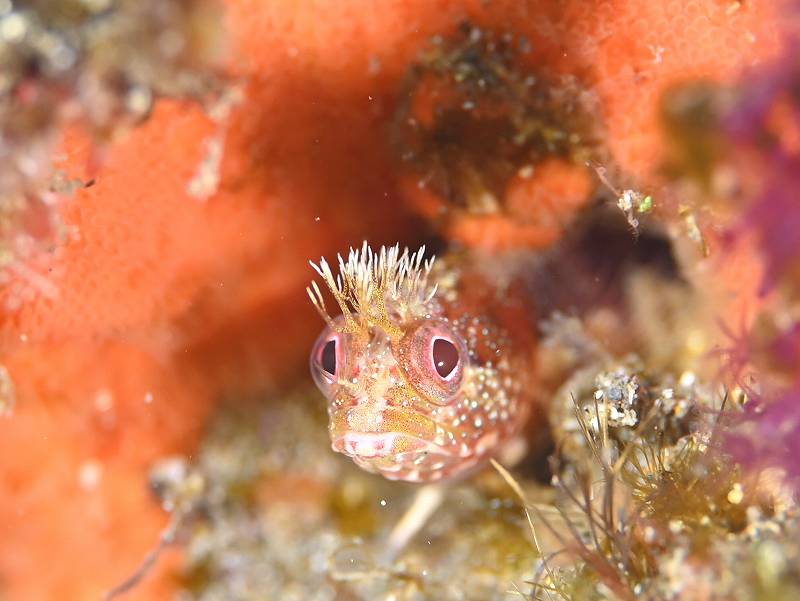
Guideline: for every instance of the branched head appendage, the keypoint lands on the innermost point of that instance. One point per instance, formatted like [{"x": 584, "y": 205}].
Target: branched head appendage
[{"x": 376, "y": 288}]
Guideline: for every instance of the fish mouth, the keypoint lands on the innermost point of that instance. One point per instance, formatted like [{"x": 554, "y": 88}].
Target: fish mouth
[
  {"x": 376, "y": 428},
  {"x": 392, "y": 441},
  {"x": 396, "y": 456},
  {"x": 370, "y": 445}
]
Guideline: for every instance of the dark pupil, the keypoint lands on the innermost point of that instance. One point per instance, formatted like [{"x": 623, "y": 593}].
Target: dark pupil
[
  {"x": 328, "y": 358},
  {"x": 445, "y": 357}
]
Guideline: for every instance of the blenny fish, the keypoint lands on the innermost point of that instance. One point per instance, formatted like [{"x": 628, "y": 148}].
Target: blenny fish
[{"x": 426, "y": 368}]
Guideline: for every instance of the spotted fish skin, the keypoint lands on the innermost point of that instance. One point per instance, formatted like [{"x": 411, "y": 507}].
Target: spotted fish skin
[{"x": 427, "y": 369}]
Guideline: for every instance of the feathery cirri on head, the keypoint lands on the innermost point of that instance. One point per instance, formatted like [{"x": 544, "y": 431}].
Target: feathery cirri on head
[{"x": 423, "y": 376}]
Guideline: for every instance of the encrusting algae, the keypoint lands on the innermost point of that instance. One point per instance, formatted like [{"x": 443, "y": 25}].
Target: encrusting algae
[
  {"x": 491, "y": 143},
  {"x": 99, "y": 65}
]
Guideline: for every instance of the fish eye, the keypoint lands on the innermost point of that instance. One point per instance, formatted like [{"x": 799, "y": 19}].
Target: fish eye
[
  {"x": 328, "y": 358},
  {"x": 445, "y": 357},
  {"x": 432, "y": 357}
]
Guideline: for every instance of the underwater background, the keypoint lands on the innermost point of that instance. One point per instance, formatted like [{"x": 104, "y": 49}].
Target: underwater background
[{"x": 169, "y": 167}]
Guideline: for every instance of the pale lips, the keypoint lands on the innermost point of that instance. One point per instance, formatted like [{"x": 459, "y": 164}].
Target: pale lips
[
  {"x": 366, "y": 444},
  {"x": 379, "y": 444},
  {"x": 371, "y": 429},
  {"x": 373, "y": 445}
]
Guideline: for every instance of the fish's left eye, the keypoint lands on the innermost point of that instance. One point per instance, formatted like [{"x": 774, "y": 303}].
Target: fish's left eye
[
  {"x": 432, "y": 356},
  {"x": 444, "y": 355}
]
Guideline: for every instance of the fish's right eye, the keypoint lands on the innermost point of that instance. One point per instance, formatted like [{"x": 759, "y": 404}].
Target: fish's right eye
[{"x": 328, "y": 358}]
